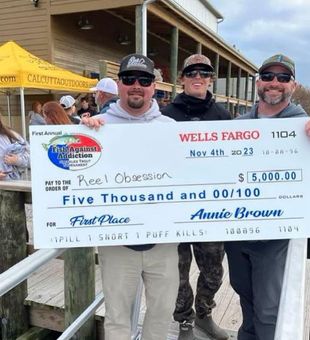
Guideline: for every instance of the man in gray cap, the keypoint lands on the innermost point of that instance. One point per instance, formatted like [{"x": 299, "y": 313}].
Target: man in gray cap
[
  {"x": 256, "y": 268},
  {"x": 197, "y": 103}
]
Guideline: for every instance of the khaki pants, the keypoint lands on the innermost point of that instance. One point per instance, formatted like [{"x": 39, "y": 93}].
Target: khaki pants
[{"x": 121, "y": 270}]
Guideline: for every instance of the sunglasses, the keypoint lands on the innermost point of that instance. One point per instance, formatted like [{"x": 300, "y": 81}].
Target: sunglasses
[
  {"x": 281, "y": 77},
  {"x": 202, "y": 73},
  {"x": 142, "y": 80}
]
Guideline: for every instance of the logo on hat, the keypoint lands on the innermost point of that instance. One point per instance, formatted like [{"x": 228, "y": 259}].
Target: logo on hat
[{"x": 136, "y": 62}]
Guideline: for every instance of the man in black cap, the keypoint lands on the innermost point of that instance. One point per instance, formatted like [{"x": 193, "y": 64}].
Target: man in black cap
[
  {"x": 122, "y": 267},
  {"x": 256, "y": 267},
  {"x": 197, "y": 103}
]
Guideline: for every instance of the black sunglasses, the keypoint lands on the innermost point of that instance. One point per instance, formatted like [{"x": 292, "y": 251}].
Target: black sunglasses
[
  {"x": 202, "y": 73},
  {"x": 281, "y": 77},
  {"x": 142, "y": 80}
]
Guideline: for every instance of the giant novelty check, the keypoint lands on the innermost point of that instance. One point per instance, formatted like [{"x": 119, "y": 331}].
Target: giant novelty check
[{"x": 170, "y": 182}]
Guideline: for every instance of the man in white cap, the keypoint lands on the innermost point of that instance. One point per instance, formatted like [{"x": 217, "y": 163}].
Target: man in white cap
[
  {"x": 106, "y": 93},
  {"x": 68, "y": 103}
]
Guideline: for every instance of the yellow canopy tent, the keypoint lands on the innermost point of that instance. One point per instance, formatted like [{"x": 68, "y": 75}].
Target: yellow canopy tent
[{"x": 21, "y": 69}]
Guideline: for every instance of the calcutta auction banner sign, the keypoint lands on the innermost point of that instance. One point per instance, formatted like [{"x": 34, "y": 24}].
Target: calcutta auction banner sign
[{"x": 170, "y": 182}]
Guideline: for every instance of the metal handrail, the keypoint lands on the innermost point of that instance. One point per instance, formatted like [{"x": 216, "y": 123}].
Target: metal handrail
[
  {"x": 82, "y": 318},
  {"x": 23, "y": 269},
  {"x": 91, "y": 309},
  {"x": 290, "y": 322},
  {"x": 290, "y": 325}
]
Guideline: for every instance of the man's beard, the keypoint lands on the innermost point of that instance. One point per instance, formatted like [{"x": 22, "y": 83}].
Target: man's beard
[
  {"x": 280, "y": 98},
  {"x": 135, "y": 103}
]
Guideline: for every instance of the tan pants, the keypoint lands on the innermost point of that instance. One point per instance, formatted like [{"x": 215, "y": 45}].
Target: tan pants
[{"x": 121, "y": 270}]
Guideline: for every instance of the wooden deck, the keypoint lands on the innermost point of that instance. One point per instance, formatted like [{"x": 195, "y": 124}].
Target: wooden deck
[{"x": 46, "y": 301}]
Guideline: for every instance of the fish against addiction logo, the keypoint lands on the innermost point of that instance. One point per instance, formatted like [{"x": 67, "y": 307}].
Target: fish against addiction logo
[{"x": 73, "y": 152}]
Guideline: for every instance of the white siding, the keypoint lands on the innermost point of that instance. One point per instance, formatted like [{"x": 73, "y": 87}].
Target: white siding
[{"x": 197, "y": 10}]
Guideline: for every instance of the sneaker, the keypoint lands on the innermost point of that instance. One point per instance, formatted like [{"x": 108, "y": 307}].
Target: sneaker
[
  {"x": 210, "y": 328},
  {"x": 186, "y": 331}
]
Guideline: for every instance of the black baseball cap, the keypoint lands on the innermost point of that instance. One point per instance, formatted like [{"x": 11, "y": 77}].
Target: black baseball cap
[{"x": 136, "y": 62}]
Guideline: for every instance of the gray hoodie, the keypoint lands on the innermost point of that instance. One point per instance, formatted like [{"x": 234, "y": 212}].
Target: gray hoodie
[
  {"x": 291, "y": 111},
  {"x": 117, "y": 115}
]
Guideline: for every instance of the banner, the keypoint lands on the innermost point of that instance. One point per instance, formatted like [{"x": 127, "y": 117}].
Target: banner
[{"x": 170, "y": 182}]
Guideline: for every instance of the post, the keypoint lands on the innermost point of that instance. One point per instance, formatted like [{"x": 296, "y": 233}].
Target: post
[
  {"x": 22, "y": 112},
  {"x": 174, "y": 59},
  {"x": 228, "y": 88},
  {"x": 238, "y": 89},
  {"x": 216, "y": 70},
  {"x": 14, "y": 320},
  {"x": 246, "y": 91},
  {"x": 79, "y": 274},
  {"x": 199, "y": 48},
  {"x": 253, "y": 92},
  {"x": 102, "y": 69},
  {"x": 139, "y": 29}
]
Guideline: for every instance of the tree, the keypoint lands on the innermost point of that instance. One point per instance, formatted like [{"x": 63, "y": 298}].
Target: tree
[{"x": 302, "y": 96}]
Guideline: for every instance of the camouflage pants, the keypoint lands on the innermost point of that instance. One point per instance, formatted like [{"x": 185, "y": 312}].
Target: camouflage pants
[{"x": 209, "y": 257}]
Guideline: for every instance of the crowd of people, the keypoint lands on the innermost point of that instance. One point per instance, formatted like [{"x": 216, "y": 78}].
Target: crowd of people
[
  {"x": 164, "y": 268},
  {"x": 104, "y": 93}
]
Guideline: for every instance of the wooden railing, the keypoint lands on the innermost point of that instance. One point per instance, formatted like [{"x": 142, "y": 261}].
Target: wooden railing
[{"x": 15, "y": 266}]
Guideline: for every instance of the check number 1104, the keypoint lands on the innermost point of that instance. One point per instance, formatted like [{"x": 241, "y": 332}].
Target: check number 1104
[{"x": 283, "y": 134}]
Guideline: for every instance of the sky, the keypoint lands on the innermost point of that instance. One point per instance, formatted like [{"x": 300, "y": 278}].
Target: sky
[{"x": 262, "y": 28}]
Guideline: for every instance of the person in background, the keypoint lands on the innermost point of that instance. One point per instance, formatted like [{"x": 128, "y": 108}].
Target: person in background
[
  {"x": 85, "y": 110},
  {"x": 106, "y": 93},
  {"x": 35, "y": 116},
  {"x": 14, "y": 153},
  {"x": 68, "y": 103},
  {"x": 256, "y": 268},
  {"x": 54, "y": 114},
  {"x": 122, "y": 267},
  {"x": 196, "y": 103}
]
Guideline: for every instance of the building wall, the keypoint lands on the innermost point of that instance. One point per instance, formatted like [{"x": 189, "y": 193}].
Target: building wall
[
  {"x": 29, "y": 27},
  {"x": 26, "y": 25},
  {"x": 196, "y": 9},
  {"x": 72, "y": 6},
  {"x": 80, "y": 50}
]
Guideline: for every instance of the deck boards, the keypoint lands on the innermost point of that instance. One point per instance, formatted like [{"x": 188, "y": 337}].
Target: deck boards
[{"x": 46, "y": 298}]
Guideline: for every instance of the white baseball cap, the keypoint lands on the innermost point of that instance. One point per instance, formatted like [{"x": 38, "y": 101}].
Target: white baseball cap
[
  {"x": 106, "y": 85},
  {"x": 67, "y": 101}
]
